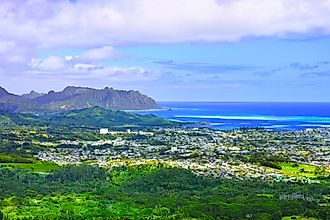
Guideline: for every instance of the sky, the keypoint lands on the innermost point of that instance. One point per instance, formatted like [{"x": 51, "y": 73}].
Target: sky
[{"x": 171, "y": 50}]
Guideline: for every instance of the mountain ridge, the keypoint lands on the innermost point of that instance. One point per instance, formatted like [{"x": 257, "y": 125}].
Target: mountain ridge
[
  {"x": 32, "y": 94},
  {"x": 75, "y": 97},
  {"x": 3, "y": 92}
]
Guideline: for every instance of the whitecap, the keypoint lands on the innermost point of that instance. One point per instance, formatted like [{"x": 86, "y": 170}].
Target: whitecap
[{"x": 311, "y": 119}]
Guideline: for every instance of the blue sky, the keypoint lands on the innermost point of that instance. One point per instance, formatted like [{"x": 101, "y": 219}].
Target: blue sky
[{"x": 211, "y": 50}]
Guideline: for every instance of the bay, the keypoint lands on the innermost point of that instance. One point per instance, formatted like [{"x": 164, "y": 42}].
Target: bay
[{"x": 233, "y": 115}]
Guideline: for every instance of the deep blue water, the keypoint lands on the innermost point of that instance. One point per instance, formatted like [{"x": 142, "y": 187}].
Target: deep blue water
[{"x": 230, "y": 115}]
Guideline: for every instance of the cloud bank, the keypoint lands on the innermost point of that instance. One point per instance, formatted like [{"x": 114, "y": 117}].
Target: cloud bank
[
  {"x": 30, "y": 27},
  {"x": 51, "y": 23}
]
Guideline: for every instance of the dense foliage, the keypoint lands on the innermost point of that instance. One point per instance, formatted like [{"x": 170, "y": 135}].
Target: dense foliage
[
  {"x": 34, "y": 189},
  {"x": 5, "y": 158},
  {"x": 94, "y": 117},
  {"x": 154, "y": 192}
]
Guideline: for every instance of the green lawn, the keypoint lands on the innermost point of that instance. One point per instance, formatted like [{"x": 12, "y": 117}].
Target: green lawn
[
  {"x": 296, "y": 217},
  {"x": 34, "y": 167},
  {"x": 301, "y": 170}
]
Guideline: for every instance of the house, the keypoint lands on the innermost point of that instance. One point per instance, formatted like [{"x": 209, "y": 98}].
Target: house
[{"x": 104, "y": 131}]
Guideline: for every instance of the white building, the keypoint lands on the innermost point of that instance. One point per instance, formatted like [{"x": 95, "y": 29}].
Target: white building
[
  {"x": 173, "y": 149},
  {"x": 104, "y": 131}
]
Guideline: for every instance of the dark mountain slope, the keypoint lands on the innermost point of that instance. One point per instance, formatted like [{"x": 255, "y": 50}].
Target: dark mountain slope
[
  {"x": 33, "y": 94},
  {"x": 82, "y": 97},
  {"x": 3, "y": 92},
  {"x": 14, "y": 103},
  {"x": 72, "y": 98}
]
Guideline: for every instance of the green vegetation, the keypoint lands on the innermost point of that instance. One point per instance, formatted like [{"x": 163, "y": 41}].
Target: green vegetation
[
  {"x": 300, "y": 170},
  {"x": 296, "y": 217},
  {"x": 270, "y": 164},
  {"x": 151, "y": 191},
  {"x": 7, "y": 158},
  {"x": 94, "y": 117},
  {"x": 291, "y": 169},
  {"x": 239, "y": 176},
  {"x": 5, "y": 121},
  {"x": 33, "y": 167}
]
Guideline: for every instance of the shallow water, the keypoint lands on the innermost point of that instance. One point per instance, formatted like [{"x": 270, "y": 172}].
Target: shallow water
[{"x": 230, "y": 115}]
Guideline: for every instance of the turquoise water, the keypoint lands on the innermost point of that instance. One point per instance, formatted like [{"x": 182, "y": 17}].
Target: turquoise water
[{"x": 231, "y": 115}]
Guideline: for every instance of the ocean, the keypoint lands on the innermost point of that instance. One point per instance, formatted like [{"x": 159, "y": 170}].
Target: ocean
[{"x": 233, "y": 115}]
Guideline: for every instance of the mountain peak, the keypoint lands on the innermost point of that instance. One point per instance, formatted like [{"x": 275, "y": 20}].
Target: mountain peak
[
  {"x": 108, "y": 88},
  {"x": 76, "y": 89},
  {"x": 3, "y": 92},
  {"x": 33, "y": 94}
]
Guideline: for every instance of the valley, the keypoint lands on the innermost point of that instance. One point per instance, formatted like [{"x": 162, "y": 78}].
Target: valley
[{"x": 121, "y": 172}]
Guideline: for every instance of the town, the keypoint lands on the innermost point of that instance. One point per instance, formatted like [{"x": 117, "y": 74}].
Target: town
[
  {"x": 238, "y": 154},
  {"x": 114, "y": 165}
]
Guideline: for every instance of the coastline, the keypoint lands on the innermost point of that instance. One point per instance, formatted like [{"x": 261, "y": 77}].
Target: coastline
[{"x": 224, "y": 115}]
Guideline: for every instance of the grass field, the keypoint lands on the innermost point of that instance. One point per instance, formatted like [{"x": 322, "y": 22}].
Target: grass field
[
  {"x": 297, "y": 218},
  {"x": 34, "y": 167},
  {"x": 301, "y": 170}
]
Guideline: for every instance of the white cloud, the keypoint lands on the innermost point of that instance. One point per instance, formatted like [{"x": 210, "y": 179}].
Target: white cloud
[
  {"x": 84, "y": 62},
  {"x": 63, "y": 67},
  {"x": 28, "y": 27},
  {"x": 126, "y": 74},
  {"x": 52, "y": 63},
  {"x": 96, "y": 54},
  {"x": 48, "y": 23},
  {"x": 84, "y": 66},
  {"x": 32, "y": 26}
]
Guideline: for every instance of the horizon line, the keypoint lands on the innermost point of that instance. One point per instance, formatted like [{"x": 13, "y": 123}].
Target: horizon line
[{"x": 243, "y": 101}]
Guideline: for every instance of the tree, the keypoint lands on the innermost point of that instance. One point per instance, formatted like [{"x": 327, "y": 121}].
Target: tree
[{"x": 317, "y": 170}]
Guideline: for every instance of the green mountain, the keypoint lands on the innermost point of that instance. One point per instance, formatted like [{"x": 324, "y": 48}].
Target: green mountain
[{"x": 94, "y": 117}]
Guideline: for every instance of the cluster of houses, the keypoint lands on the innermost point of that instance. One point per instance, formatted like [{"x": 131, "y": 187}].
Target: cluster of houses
[
  {"x": 204, "y": 151},
  {"x": 105, "y": 131}
]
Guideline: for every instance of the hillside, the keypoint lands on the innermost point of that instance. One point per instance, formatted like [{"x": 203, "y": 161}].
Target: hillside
[
  {"x": 14, "y": 103},
  {"x": 3, "y": 92},
  {"x": 94, "y": 117}
]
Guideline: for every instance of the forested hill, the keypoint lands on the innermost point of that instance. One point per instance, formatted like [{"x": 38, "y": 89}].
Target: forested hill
[{"x": 94, "y": 117}]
